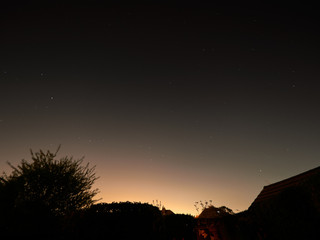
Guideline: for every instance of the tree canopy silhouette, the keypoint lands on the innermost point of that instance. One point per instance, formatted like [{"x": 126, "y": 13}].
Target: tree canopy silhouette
[{"x": 59, "y": 185}]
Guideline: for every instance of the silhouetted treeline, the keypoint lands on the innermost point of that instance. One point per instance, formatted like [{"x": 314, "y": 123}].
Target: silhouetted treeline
[
  {"x": 118, "y": 221},
  {"x": 123, "y": 220},
  {"x": 130, "y": 220},
  {"x": 50, "y": 198}
]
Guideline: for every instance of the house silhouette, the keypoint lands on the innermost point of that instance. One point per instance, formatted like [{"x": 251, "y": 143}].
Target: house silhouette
[
  {"x": 288, "y": 209},
  {"x": 275, "y": 189}
]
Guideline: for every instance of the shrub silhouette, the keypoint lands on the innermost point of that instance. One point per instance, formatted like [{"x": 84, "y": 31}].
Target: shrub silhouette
[
  {"x": 62, "y": 185},
  {"x": 38, "y": 193},
  {"x": 120, "y": 220}
]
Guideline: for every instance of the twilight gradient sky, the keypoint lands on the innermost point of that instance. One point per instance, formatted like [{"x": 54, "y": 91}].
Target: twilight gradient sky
[{"x": 178, "y": 103}]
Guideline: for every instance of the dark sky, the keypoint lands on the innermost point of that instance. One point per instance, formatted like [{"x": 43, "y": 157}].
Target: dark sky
[{"x": 173, "y": 102}]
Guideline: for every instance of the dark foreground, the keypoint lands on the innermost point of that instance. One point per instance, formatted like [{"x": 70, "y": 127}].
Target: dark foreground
[
  {"x": 293, "y": 213},
  {"x": 102, "y": 221}
]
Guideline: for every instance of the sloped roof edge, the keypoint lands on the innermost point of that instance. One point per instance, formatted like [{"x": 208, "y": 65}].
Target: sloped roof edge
[{"x": 275, "y": 188}]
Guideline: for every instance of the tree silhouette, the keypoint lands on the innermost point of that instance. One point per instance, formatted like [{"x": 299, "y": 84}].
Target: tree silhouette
[
  {"x": 61, "y": 186},
  {"x": 123, "y": 220}
]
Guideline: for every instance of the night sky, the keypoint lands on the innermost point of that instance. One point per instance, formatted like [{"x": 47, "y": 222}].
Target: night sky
[{"x": 170, "y": 102}]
